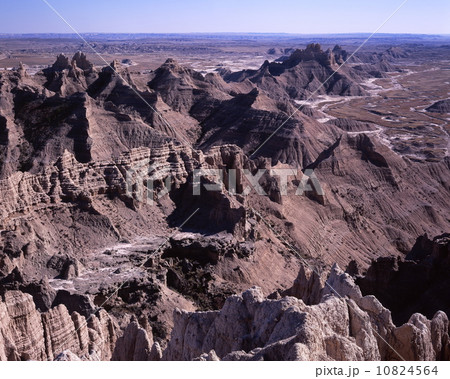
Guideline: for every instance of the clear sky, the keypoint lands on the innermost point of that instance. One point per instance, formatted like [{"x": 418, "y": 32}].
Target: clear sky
[{"x": 183, "y": 16}]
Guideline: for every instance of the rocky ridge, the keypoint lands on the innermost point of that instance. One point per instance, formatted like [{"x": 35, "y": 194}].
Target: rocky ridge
[
  {"x": 71, "y": 136},
  {"x": 394, "y": 280},
  {"x": 309, "y": 71},
  {"x": 342, "y": 325},
  {"x": 27, "y": 334},
  {"x": 345, "y": 327}
]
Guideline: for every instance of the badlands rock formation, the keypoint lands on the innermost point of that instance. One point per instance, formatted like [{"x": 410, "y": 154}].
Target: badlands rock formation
[
  {"x": 342, "y": 325},
  {"x": 93, "y": 263},
  {"x": 27, "y": 334},
  {"x": 313, "y": 71},
  {"x": 347, "y": 326},
  {"x": 441, "y": 106},
  {"x": 415, "y": 283}
]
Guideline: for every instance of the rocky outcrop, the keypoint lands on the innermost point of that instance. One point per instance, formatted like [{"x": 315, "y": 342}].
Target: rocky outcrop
[
  {"x": 306, "y": 71},
  {"x": 183, "y": 88},
  {"x": 82, "y": 62},
  {"x": 27, "y": 334},
  {"x": 205, "y": 249},
  {"x": 61, "y": 63},
  {"x": 441, "y": 106},
  {"x": 307, "y": 286},
  {"x": 136, "y": 345},
  {"x": 344, "y": 325},
  {"x": 68, "y": 76},
  {"x": 395, "y": 281},
  {"x": 41, "y": 291}
]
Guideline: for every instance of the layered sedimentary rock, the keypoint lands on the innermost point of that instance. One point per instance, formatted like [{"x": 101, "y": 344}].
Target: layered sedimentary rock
[
  {"x": 304, "y": 72},
  {"x": 344, "y": 325},
  {"x": 88, "y": 186},
  {"x": 27, "y": 334},
  {"x": 80, "y": 148},
  {"x": 441, "y": 106},
  {"x": 136, "y": 345}
]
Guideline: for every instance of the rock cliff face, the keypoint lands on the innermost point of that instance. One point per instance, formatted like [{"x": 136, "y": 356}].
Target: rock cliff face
[
  {"x": 136, "y": 345},
  {"x": 27, "y": 334},
  {"x": 342, "y": 325},
  {"x": 80, "y": 228},
  {"x": 91, "y": 188},
  {"x": 303, "y": 72},
  {"x": 345, "y": 327},
  {"x": 418, "y": 282}
]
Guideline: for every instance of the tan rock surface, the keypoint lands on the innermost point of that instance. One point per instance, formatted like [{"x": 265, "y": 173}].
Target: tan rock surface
[
  {"x": 344, "y": 327},
  {"x": 27, "y": 334}
]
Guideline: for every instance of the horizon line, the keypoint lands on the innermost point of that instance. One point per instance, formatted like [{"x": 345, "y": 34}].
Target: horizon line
[{"x": 235, "y": 33}]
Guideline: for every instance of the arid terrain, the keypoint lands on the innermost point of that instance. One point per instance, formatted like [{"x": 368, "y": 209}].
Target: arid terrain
[{"x": 325, "y": 238}]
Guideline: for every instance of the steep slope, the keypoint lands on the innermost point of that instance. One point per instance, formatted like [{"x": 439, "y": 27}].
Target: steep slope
[
  {"x": 344, "y": 327},
  {"x": 303, "y": 73},
  {"x": 376, "y": 202},
  {"x": 80, "y": 148},
  {"x": 249, "y": 119},
  {"x": 181, "y": 88},
  {"x": 441, "y": 106},
  {"x": 395, "y": 281}
]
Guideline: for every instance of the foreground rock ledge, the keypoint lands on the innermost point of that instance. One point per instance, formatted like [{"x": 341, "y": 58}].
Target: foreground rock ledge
[
  {"x": 248, "y": 327},
  {"x": 354, "y": 327}
]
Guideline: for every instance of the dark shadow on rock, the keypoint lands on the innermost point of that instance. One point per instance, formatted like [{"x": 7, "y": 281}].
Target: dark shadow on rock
[
  {"x": 215, "y": 214},
  {"x": 418, "y": 283}
]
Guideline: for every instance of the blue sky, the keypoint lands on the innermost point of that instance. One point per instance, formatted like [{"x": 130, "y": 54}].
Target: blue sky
[{"x": 178, "y": 16}]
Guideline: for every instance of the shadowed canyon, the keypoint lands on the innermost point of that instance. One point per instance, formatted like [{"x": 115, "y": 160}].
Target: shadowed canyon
[{"x": 326, "y": 236}]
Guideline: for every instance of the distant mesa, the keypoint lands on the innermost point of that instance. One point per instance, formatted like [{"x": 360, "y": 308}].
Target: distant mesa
[
  {"x": 276, "y": 51},
  {"x": 396, "y": 52}
]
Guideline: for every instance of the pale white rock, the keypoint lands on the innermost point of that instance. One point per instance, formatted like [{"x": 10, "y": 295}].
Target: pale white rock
[
  {"x": 136, "y": 345},
  {"x": 344, "y": 325},
  {"x": 27, "y": 334}
]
